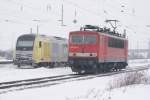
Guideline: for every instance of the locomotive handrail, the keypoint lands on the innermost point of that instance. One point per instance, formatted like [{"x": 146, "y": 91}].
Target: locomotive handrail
[{"x": 99, "y": 29}]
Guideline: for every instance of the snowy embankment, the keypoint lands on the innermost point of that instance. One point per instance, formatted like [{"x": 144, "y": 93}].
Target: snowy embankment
[
  {"x": 136, "y": 92},
  {"x": 138, "y": 62},
  {"x": 10, "y": 72},
  {"x": 92, "y": 89},
  {"x": 5, "y": 61}
]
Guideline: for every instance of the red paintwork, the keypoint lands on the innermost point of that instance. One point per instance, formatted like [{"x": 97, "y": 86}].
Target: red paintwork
[
  {"x": 86, "y": 48},
  {"x": 101, "y": 46}
]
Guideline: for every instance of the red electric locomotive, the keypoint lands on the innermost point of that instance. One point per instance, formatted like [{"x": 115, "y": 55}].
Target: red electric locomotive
[{"x": 94, "y": 49}]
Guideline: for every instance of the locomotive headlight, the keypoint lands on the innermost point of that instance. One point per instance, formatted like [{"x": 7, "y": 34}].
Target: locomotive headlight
[
  {"x": 91, "y": 54},
  {"x": 74, "y": 54}
]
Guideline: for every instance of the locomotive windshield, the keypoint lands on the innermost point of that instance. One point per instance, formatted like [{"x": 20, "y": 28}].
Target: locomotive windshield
[
  {"x": 83, "y": 39},
  {"x": 77, "y": 39},
  {"x": 25, "y": 42},
  {"x": 89, "y": 39}
]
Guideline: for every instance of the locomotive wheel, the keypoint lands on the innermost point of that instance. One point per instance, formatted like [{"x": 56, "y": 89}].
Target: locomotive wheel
[
  {"x": 34, "y": 65},
  {"x": 18, "y": 65},
  {"x": 100, "y": 68},
  {"x": 95, "y": 69},
  {"x": 82, "y": 72},
  {"x": 52, "y": 65},
  {"x": 105, "y": 68}
]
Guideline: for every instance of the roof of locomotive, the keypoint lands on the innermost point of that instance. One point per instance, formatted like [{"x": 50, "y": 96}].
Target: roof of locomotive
[
  {"x": 54, "y": 38},
  {"x": 30, "y": 35},
  {"x": 26, "y": 37},
  {"x": 100, "y": 33}
]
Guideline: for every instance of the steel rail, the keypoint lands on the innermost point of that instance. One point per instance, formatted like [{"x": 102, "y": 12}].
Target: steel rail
[{"x": 53, "y": 80}]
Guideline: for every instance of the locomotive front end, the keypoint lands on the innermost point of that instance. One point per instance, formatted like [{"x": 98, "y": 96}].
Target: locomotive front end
[
  {"x": 83, "y": 51},
  {"x": 24, "y": 50}
]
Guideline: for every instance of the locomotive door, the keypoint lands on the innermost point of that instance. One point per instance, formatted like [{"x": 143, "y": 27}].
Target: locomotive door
[
  {"x": 90, "y": 43},
  {"x": 102, "y": 48},
  {"x": 40, "y": 50},
  {"x": 77, "y": 43}
]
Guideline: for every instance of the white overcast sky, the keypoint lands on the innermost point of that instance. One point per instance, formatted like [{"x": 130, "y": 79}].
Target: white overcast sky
[{"x": 17, "y": 17}]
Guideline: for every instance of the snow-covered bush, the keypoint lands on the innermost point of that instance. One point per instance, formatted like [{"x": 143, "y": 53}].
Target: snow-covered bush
[{"x": 129, "y": 79}]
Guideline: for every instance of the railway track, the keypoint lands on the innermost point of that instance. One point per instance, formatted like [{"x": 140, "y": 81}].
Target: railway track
[
  {"x": 6, "y": 62},
  {"x": 53, "y": 80}
]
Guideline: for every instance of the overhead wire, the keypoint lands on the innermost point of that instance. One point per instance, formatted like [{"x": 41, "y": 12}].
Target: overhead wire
[
  {"x": 105, "y": 12},
  {"x": 82, "y": 8},
  {"x": 118, "y": 17},
  {"x": 29, "y": 18},
  {"x": 37, "y": 9}
]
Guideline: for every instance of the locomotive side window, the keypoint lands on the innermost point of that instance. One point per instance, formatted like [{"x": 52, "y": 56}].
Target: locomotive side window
[
  {"x": 90, "y": 39},
  {"x": 115, "y": 43},
  {"x": 77, "y": 39}
]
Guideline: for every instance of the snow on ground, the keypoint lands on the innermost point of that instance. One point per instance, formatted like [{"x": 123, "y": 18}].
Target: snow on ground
[
  {"x": 10, "y": 72},
  {"x": 66, "y": 91},
  {"x": 136, "y": 92},
  {"x": 2, "y": 59},
  {"x": 138, "y": 62},
  {"x": 92, "y": 89}
]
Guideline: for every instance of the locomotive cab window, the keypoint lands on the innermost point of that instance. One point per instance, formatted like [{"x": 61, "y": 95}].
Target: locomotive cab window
[
  {"x": 25, "y": 43},
  {"x": 80, "y": 39},
  {"x": 115, "y": 43},
  {"x": 90, "y": 39},
  {"x": 77, "y": 39}
]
